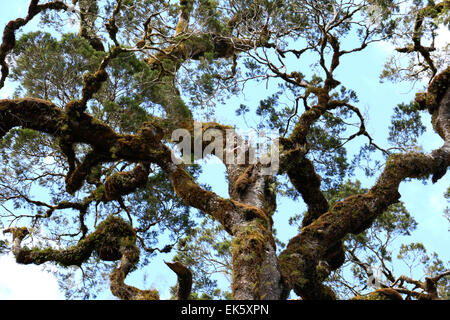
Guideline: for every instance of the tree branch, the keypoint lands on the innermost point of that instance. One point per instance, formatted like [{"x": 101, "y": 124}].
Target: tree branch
[
  {"x": 302, "y": 261},
  {"x": 9, "y": 36},
  {"x": 430, "y": 11},
  {"x": 184, "y": 279}
]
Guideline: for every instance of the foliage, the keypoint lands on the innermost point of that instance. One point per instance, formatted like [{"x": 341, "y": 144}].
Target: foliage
[{"x": 93, "y": 139}]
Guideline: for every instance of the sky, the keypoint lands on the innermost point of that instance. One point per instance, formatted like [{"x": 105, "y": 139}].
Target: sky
[{"x": 425, "y": 203}]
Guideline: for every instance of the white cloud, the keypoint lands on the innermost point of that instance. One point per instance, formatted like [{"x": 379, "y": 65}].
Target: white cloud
[
  {"x": 26, "y": 282},
  {"x": 443, "y": 36}
]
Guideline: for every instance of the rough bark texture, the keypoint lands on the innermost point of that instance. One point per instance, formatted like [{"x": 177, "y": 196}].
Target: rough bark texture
[
  {"x": 303, "y": 262},
  {"x": 258, "y": 273},
  {"x": 303, "y": 265}
]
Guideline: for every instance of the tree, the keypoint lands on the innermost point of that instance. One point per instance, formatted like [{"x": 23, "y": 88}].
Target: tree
[{"x": 97, "y": 113}]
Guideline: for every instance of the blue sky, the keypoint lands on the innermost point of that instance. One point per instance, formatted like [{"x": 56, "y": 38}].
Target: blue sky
[{"x": 359, "y": 72}]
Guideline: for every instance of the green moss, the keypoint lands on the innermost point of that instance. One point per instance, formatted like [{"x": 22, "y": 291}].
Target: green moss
[
  {"x": 107, "y": 240},
  {"x": 248, "y": 253},
  {"x": 98, "y": 193},
  {"x": 436, "y": 91},
  {"x": 113, "y": 151},
  {"x": 381, "y": 294},
  {"x": 18, "y": 232},
  {"x": 147, "y": 295}
]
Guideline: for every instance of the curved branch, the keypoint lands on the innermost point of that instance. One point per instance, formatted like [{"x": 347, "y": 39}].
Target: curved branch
[
  {"x": 123, "y": 183},
  {"x": 31, "y": 113},
  {"x": 105, "y": 241},
  {"x": 428, "y": 287},
  {"x": 184, "y": 279},
  {"x": 146, "y": 146},
  {"x": 304, "y": 178},
  {"x": 129, "y": 259},
  {"x": 111, "y": 25},
  {"x": 302, "y": 263},
  {"x": 92, "y": 84},
  {"x": 113, "y": 239},
  {"x": 88, "y": 16},
  {"x": 431, "y": 11},
  {"x": 9, "y": 36},
  {"x": 381, "y": 294}
]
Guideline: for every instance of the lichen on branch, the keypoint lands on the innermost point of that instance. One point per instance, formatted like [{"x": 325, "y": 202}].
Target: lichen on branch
[
  {"x": 113, "y": 240},
  {"x": 303, "y": 262}
]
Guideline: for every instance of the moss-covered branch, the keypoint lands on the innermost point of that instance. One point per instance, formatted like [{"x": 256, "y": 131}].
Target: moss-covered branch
[
  {"x": 123, "y": 183},
  {"x": 381, "y": 294},
  {"x": 430, "y": 11},
  {"x": 107, "y": 146},
  {"x": 88, "y": 16},
  {"x": 428, "y": 288},
  {"x": 31, "y": 113},
  {"x": 299, "y": 169},
  {"x": 106, "y": 241},
  {"x": 9, "y": 36},
  {"x": 111, "y": 25},
  {"x": 304, "y": 260},
  {"x": 184, "y": 279},
  {"x": 92, "y": 84},
  {"x": 113, "y": 239},
  {"x": 304, "y": 264},
  {"x": 186, "y": 7},
  {"x": 129, "y": 259},
  {"x": 304, "y": 178}
]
